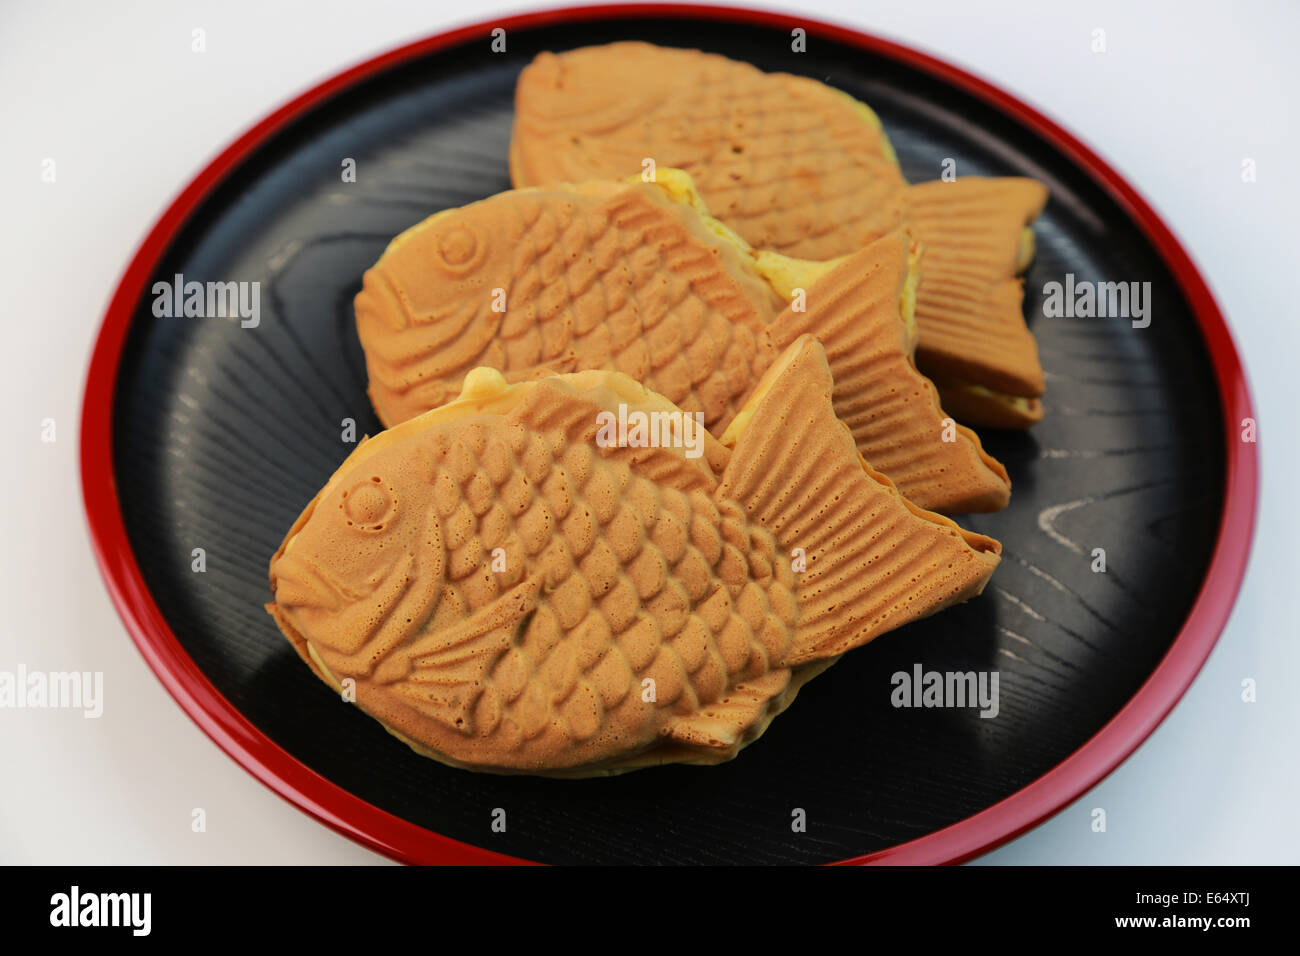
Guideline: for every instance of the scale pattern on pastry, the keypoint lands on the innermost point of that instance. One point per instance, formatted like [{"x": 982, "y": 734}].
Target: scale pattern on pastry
[
  {"x": 510, "y": 593},
  {"x": 798, "y": 167},
  {"x": 639, "y": 279}
]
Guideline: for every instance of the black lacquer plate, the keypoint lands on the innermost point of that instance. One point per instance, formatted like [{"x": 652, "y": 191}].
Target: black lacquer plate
[{"x": 221, "y": 434}]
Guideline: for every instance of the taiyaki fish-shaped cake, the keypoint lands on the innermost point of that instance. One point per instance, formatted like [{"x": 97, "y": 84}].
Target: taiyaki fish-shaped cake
[
  {"x": 637, "y": 278},
  {"x": 510, "y": 587},
  {"x": 795, "y": 166}
]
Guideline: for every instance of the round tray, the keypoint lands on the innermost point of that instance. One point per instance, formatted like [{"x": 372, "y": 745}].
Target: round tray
[{"x": 198, "y": 433}]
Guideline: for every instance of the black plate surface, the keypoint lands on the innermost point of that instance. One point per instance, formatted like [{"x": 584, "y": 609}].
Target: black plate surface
[{"x": 222, "y": 435}]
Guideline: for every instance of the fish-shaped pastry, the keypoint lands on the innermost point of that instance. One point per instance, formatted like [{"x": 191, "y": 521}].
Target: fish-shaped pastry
[
  {"x": 511, "y": 584},
  {"x": 638, "y": 278},
  {"x": 798, "y": 167}
]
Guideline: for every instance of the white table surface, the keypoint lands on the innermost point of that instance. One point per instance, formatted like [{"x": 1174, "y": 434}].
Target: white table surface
[{"x": 114, "y": 94}]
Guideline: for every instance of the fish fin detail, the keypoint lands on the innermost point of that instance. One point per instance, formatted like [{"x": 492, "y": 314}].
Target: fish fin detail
[
  {"x": 968, "y": 304},
  {"x": 589, "y": 417},
  {"x": 868, "y": 559},
  {"x": 858, "y": 312},
  {"x": 443, "y": 674},
  {"x": 725, "y": 723}
]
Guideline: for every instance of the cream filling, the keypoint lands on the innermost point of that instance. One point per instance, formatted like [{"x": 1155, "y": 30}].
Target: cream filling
[
  {"x": 1016, "y": 402},
  {"x": 869, "y": 117},
  {"x": 788, "y": 275},
  {"x": 1025, "y": 249}
]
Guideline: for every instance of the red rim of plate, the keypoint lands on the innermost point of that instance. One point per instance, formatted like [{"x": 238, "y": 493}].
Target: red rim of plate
[{"x": 407, "y": 842}]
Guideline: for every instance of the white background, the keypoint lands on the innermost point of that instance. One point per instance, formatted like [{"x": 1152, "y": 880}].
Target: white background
[{"x": 113, "y": 92}]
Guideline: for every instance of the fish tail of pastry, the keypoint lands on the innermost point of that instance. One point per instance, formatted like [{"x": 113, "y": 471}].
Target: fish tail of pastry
[
  {"x": 866, "y": 559},
  {"x": 976, "y": 238},
  {"x": 862, "y": 313}
]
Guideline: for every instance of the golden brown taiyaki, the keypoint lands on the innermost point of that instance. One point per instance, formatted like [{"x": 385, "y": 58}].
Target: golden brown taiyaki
[
  {"x": 795, "y": 166},
  {"x": 508, "y": 591},
  {"x": 638, "y": 278}
]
